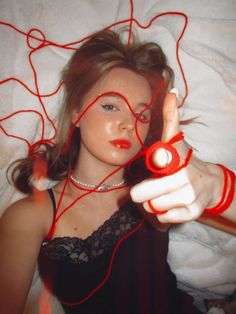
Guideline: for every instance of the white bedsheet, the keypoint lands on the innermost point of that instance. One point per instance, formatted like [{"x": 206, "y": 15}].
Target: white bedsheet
[{"x": 203, "y": 259}]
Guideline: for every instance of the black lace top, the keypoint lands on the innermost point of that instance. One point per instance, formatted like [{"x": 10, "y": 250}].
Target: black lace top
[
  {"x": 120, "y": 268},
  {"x": 76, "y": 251}
]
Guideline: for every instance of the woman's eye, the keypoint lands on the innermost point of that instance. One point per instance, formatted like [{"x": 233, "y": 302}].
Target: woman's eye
[
  {"x": 110, "y": 107},
  {"x": 142, "y": 116}
]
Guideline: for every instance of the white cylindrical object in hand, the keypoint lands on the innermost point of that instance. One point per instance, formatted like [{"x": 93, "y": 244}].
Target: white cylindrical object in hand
[{"x": 161, "y": 158}]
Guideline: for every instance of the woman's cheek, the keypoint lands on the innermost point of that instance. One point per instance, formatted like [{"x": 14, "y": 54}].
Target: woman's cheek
[
  {"x": 107, "y": 126},
  {"x": 143, "y": 129}
]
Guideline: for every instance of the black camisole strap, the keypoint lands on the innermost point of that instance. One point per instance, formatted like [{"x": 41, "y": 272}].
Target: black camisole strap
[
  {"x": 51, "y": 194},
  {"x": 51, "y": 231}
]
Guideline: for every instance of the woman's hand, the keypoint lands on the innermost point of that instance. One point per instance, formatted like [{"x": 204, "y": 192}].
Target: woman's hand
[{"x": 185, "y": 194}]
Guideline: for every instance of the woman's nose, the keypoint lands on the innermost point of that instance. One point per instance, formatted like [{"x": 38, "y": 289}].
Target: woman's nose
[{"x": 127, "y": 123}]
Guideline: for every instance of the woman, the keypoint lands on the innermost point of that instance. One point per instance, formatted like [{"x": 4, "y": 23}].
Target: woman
[{"x": 95, "y": 251}]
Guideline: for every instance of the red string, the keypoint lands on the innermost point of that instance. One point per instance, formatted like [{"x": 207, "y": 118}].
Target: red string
[
  {"x": 127, "y": 235},
  {"x": 39, "y": 36},
  {"x": 131, "y": 21},
  {"x": 173, "y": 166},
  {"x": 156, "y": 211},
  {"x": 226, "y": 199}
]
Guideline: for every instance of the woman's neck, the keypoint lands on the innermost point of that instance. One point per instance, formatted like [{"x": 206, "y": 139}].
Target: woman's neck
[{"x": 93, "y": 172}]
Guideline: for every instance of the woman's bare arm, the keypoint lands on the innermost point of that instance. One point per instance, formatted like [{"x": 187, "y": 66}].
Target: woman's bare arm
[{"x": 22, "y": 230}]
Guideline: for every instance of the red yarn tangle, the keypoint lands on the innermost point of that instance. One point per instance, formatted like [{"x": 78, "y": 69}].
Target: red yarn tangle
[
  {"x": 226, "y": 199},
  {"x": 171, "y": 167},
  {"x": 36, "y": 41}
]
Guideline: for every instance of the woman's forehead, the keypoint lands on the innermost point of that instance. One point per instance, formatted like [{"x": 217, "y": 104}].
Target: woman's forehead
[{"x": 122, "y": 83}]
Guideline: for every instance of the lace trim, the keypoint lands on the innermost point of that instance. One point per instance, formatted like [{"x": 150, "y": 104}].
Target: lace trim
[{"x": 76, "y": 250}]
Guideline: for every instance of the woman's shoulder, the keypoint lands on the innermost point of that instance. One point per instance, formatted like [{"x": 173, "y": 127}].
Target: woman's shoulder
[{"x": 34, "y": 212}]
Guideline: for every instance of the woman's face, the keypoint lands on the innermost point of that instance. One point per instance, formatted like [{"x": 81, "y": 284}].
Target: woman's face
[{"x": 107, "y": 128}]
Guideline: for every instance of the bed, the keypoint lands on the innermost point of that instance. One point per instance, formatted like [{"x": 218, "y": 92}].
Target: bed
[{"x": 198, "y": 37}]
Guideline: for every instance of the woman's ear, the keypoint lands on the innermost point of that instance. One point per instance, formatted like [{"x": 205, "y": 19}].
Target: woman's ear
[{"x": 75, "y": 118}]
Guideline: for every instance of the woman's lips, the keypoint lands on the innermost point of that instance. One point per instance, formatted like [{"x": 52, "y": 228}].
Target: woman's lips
[{"x": 122, "y": 144}]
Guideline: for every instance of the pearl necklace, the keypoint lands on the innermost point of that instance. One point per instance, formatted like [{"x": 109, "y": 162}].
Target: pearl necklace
[{"x": 102, "y": 187}]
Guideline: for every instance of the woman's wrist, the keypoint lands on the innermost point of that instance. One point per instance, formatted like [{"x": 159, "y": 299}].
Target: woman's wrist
[
  {"x": 217, "y": 184},
  {"x": 227, "y": 194}
]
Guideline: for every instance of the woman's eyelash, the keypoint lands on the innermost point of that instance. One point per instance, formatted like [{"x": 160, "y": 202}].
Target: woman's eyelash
[{"x": 110, "y": 107}]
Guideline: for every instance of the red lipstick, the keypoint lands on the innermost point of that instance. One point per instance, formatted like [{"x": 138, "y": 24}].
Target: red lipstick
[{"x": 122, "y": 144}]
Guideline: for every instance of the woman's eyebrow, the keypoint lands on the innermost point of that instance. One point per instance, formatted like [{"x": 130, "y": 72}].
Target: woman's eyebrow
[
  {"x": 111, "y": 95},
  {"x": 144, "y": 105}
]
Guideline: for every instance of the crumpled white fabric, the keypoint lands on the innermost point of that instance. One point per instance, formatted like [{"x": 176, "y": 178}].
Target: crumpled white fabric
[
  {"x": 204, "y": 261},
  {"x": 202, "y": 258}
]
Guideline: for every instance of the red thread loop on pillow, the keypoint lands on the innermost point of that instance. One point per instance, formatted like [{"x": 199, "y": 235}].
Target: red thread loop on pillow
[{"x": 226, "y": 199}]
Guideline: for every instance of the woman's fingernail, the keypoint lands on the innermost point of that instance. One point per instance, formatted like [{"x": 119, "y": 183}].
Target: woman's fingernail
[{"x": 175, "y": 91}]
